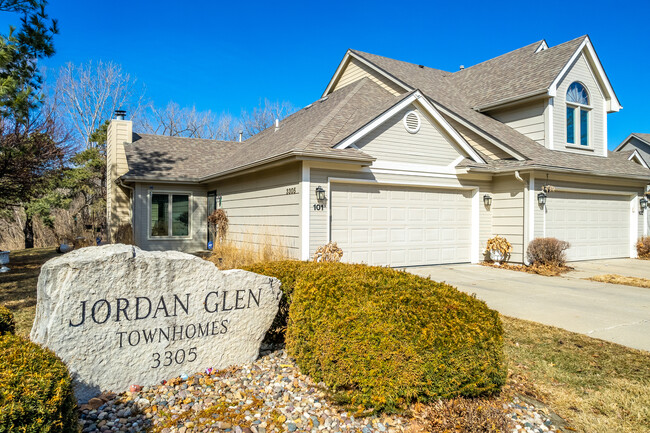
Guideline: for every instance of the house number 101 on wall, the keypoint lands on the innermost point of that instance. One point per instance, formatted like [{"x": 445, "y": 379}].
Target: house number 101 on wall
[{"x": 319, "y": 206}]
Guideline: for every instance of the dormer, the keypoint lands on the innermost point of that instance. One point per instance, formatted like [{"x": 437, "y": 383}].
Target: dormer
[{"x": 580, "y": 98}]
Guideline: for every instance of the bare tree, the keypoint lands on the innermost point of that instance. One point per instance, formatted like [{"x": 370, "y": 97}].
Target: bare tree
[
  {"x": 264, "y": 116},
  {"x": 87, "y": 95},
  {"x": 187, "y": 122}
]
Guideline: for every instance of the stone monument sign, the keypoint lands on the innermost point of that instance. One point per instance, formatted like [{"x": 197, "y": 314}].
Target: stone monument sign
[{"x": 118, "y": 315}]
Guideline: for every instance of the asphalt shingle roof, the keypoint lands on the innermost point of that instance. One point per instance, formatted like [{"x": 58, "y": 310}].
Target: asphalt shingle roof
[
  {"x": 445, "y": 91},
  {"x": 314, "y": 130}
]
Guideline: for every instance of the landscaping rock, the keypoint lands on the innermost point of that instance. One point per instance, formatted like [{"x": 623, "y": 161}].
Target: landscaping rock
[{"x": 118, "y": 315}]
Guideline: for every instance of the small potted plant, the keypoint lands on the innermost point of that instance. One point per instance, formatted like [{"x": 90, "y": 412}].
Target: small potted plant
[
  {"x": 4, "y": 260},
  {"x": 499, "y": 249}
]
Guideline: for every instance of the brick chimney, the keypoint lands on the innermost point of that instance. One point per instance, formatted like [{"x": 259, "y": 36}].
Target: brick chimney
[{"x": 118, "y": 198}]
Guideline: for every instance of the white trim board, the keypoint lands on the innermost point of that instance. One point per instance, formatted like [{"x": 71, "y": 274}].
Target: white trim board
[
  {"x": 600, "y": 72},
  {"x": 418, "y": 97},
  {"x": 637, "y": 156},
  {"x": 346, "y": 59},
  {"x": 304, "y": 209}
]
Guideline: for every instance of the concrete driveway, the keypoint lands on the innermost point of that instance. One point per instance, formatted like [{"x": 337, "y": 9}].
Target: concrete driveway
[{"x": 611, "y": 312}]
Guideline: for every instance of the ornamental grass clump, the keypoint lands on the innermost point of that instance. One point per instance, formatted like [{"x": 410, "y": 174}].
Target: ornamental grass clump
[
  {"x": 382, "y": 339},
  {"x": 35, "y": 389}
]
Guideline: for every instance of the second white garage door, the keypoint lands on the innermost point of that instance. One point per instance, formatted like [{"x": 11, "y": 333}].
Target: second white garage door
[
  {"x": 400, "y": 226},
  {"x": 596, "y": 225}
]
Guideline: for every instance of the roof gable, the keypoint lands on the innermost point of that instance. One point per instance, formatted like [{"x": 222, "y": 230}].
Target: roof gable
[
  {"x": 587, "y": 49},
  {"x": 416, "y": 98}
]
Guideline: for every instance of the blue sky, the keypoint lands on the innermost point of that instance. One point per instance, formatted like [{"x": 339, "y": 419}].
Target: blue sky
[{"x": 226, "y": 56}]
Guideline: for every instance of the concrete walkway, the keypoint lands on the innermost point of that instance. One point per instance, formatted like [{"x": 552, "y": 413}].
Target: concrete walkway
[{"x": 611, "y": 312}]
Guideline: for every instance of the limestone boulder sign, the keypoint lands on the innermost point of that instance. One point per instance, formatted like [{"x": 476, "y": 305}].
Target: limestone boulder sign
[{"x": 118, "y": 315}]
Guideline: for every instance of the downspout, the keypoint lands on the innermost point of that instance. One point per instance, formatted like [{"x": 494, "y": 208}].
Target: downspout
[
  {"x": 523, "y": 253},
  {"x": 121, "y": 183}
]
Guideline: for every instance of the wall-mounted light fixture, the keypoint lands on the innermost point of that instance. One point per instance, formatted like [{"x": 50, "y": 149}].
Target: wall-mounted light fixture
[
  {"x": 541, "y": 199},
  {"x": 487, "y": 200},
  {"x": 643, "y": 204},
  {"x": 320, "y": 193}
]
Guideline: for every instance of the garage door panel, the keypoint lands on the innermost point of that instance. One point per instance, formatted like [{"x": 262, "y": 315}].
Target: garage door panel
[
  {"x": 404, "y": 225},
  {"x": 596, "y": 225}
]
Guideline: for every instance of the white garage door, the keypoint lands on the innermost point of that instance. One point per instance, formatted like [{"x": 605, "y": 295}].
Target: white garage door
[
  {"x": 401, "y": 226},
  {"x": 596, "y": 225}
]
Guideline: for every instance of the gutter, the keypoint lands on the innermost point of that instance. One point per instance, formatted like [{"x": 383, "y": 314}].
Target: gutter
[{"x": 557, "y": 170}]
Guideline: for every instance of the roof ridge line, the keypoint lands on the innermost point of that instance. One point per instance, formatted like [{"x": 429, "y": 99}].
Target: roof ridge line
[{"x": 537, "y": 43}]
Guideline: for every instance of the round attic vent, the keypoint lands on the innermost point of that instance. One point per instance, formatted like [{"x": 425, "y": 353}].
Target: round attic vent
[{"x": 412, "y": 122}]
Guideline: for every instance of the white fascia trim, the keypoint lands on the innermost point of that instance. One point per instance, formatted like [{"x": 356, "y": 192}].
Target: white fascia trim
[
  {"x": 624, "y": 142},
  {"x": 479, "y": 132},
  {"x": 414, "y": 173},
  {"x": 600, "y": 72},
  {"x": 343, "y": 63},
  {"x": 429, "y": 109},
  {"x": 592, "y": 191},
  {"x": 636, "y": 155},
  {"x": 336, "y": 75},
  {"x": 543, "y": 46},
  {"x": 304, "y": 202}
]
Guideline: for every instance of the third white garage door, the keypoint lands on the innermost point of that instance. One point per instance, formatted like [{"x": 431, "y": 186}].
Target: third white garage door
[
  {"x": 401, "y": 226},
  {"x": 596, "y": 225}
]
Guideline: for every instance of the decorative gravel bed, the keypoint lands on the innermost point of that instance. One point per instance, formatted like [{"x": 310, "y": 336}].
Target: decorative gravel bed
[{"x": 269, "y": 395}]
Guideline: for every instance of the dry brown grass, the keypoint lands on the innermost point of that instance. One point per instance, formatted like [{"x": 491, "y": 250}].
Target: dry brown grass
[
  {"x": 620, "y": 279},
  {"x": 545, "y": 270},
  {"x": 465, "y": 415},
  {"x": 595, "y": 385},
  {"x": 232, "y": 255},
  {"x": 18, "y": 286}
]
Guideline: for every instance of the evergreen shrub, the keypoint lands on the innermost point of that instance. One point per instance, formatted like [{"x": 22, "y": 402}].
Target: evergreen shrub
[
  {"x": 287, "y": 271},
  {"x": 7, "y": 322},
  {"x": 35, "y": 389},
  {"x": 382, "y": 339}
]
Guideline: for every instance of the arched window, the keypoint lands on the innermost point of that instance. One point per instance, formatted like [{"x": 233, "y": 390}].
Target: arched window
[{"x": 577, "y": 114}]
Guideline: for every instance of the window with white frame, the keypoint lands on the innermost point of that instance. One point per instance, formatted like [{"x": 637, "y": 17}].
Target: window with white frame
[
  {"x": 169, "y": 215},
  {"x": 577, "y": 115}
]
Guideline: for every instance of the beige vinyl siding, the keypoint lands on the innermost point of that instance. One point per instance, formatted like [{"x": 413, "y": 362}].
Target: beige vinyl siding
[
  {"x": 263, "y": 209},
  {"x": 636, "y": 144},
  {"x": 118, "y": 202},
  {"x": 355, "y": 70},
  {"x": 479, "y": 143},
  {"x": 392, "y": 142},
  {"x": 581, "y": 72},
  {"x": 525, "y": 118},
  {"x": 508, "y": 213},
  {"x": 198, "y": 235}
]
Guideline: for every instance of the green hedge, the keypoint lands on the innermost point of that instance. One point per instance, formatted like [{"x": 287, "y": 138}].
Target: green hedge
[
  {"x": 384, "y": 339},
  {"x": 7, "y": 322},
  {"x": 287, "y": 272},
  {"x": 35, "y": 389}
]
